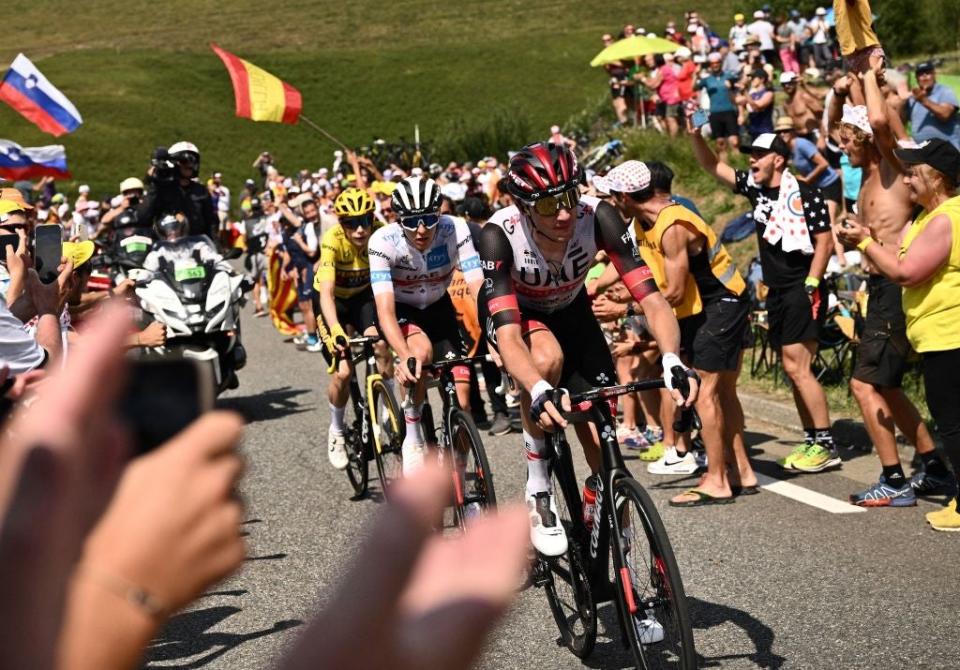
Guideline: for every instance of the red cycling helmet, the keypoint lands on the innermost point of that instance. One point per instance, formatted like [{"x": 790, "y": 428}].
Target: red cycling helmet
[{"x": 541, "y": 170}]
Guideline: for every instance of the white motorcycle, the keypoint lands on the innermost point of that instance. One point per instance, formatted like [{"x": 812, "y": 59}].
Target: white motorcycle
[{"x": 200, "y": 306}]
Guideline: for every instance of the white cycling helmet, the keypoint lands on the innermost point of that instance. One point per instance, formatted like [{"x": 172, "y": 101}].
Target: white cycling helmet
[{"x": 416, "y": 195}]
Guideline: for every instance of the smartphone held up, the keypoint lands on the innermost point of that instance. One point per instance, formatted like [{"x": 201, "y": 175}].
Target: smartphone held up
[{"x": 48, "y": 251}]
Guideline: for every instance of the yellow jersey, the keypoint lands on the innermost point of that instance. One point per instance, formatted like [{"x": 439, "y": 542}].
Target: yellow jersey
[
  {"x": 933, "y": 308},
  {"x": 342, "y": 263}
]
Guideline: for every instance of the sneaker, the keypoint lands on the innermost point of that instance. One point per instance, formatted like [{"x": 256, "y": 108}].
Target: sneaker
[
  {"x": 649, "y": 630},
  {"x": 337, "y": 450},
  {"x": 882, "y": 494},
  {"x": 816, "y": 458},
  {"x": 798, "y": 451},
  {"x": 641, "y": 443},
  {"x": 501, "y": 425},
  {"x": 926, "y": 484},
  {"x": 627, "y": 437},
  {"x": 673, "y": 464},
  {"x": 300, "y": 339},
  {"x": 512, "y": 400},
  {"x": 546, "y": 531},
  {"x": 653, "y": 435},
  {"x": 314, "y": 347},
  {"x": 946, "y": 519},
  {"x": 654, "y": 453}
]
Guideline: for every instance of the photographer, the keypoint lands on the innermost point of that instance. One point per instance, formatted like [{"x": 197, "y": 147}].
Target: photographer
[{"x": 173, "y": 188}]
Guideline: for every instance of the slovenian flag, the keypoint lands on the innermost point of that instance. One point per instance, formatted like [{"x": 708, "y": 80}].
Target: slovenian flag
[
  {"x": 259, "y": 95},
  {"x": 17, "y": 162},
  {"x": 26, "y": 90}
]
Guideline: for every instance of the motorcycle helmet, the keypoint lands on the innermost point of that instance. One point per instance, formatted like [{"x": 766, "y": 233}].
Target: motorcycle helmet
[
  {"x": 186, "y": 151},
  {"x": 171, "y": 227}
]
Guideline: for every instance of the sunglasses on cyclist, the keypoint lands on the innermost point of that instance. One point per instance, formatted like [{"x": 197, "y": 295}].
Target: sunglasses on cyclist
[
  {"x": 413, "y": 222},
  {"x": 552, "y": 204},
  {"x": 361, "y": 221}
]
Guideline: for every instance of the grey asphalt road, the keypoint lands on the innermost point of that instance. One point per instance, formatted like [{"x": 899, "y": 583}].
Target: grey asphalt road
[{"x": 772, "y": 582}]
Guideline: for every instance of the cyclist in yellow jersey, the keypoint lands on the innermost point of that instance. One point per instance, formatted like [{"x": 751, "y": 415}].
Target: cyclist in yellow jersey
[
  {"x": 343, "y": 283},
  {"x": 700, "y": 281}
]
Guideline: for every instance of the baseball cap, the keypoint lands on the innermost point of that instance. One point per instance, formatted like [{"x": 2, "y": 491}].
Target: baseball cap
[
  {"x": 938, "y": 154},
  {"x": 788, "y": 77},
  {"x": 821, "y": 11},
  {"x": 683, "y": 52},
  {"x": 249, "y": 182},
  {"x": 924, "y": 67},
  {"x": 78, "y": 252},
  {"x": 84, "y": 188},
  {"x": 759, "y": 14},
  {"x": 15, "y": 195},
  {"x": 767, "y": 142},
  {"x": 738, "y": 17},
  {"x": 628, "y": 177}
]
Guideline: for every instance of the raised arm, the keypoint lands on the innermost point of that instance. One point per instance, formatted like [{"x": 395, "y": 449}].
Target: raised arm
[
  {"x": 708, "y": 160},
  {"x": 877, "y": 117}
]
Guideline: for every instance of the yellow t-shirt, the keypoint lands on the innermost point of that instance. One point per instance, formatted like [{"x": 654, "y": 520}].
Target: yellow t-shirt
[
  {"x": 853, "y": 19},
  {"x": 933, "y": 308},
  {"x": 342, "y": 263}
]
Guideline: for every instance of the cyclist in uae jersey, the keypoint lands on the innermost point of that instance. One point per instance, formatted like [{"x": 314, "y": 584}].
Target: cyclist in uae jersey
[
  {"x": 411, "y": 264},
  {"x": 342, "y": 283},
  {"x": 535, "y": 258}
]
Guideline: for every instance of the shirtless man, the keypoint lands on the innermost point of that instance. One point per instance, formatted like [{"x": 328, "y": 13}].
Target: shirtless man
[
  {"x": 803, "y": 106},
  {"x": 884, "y": 207}
]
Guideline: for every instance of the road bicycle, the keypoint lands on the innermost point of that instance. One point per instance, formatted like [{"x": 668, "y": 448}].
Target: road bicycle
[
  {"x": 646, "y": 586},
  {"x": 459, "y": 446},
  {"x": 373, "y": 423}
]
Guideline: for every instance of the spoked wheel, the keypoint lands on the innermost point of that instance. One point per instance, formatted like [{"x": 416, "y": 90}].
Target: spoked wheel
[
  {"x": 357, "y": 470},
  {"x": 388, "y": 430},
  {"x": 568, "y": 586},
  {"x": 472, "y": 478},
  {"x": 659, "y": 633}
]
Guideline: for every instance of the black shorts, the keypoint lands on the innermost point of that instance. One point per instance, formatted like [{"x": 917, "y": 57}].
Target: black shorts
[
  {"x": 883, "y": 352},
  {"x": 833, "y": 192},
  {"x": 438, "y": 322},
  {"x": 358, "y": 311},
  {"x": 791, "y": 315},
  {"x": 724, "y": 124},
  {"x": 713, "y": 339},
  {"x": 587, "y": 362}
]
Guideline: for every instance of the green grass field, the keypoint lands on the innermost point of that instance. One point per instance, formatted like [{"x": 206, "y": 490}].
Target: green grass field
[{"x": 146, "y": 77}]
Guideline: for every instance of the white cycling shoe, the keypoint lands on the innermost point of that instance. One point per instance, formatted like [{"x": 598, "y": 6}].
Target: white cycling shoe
[
  {"x": 649, "y": 630},
  {"x": 546, "y": 531},
  {"x": 337, "y": 450}
]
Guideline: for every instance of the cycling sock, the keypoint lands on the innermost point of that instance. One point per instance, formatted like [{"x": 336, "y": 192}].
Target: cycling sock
[
  {"x": 336, "y": 418},
  {"x": 932, "y": 464},
  {"x": 413, "y": 447},
  {"x": 824, "y": 437},
  {"x": 809, "y": 436},
  {"x": 893, "y": 474},
  {"x": 538, "y": 476}
]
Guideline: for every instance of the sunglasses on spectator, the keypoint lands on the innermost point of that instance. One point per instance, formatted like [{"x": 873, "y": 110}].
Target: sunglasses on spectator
[
  {"x": 552, "y": 204},
  {"x": 361, "y": 221},
  {"x": 428, "y": 221}
]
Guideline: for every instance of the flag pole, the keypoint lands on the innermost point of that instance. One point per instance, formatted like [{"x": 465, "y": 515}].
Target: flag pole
[{"x": 324, "y": 132}]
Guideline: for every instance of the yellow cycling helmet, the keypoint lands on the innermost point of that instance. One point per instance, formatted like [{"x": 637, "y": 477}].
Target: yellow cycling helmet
[{"x": 353, "y": 202}]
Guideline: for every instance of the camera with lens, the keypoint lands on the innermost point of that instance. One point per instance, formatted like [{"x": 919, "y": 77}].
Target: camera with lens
[{"x": 163, "y": 168}]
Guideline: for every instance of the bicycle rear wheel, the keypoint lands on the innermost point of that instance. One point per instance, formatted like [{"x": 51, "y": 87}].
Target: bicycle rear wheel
[
  {"x": 472, "y": 477},
  {"x": 387, "y": 425},
  {"x": 567, "y": 581},
  {"x": 357, "y": 450},
  {"x": 650, "y": 587}
]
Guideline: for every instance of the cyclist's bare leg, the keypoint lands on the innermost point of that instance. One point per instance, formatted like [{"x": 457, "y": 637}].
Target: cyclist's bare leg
[
  {"x": 381, "y": 351},
  {"x": 590, "y": 441},
  {"x": 548, "y": 359},
  {"x": 714, "y": 482},
  {"x": 339, "y": 389},
  {"x": 626, "y": 369}
]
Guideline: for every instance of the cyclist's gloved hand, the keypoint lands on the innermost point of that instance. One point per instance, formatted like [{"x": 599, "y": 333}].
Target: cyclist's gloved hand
[
  {"x": 683, "y": 390},
  {"x": 336, "y": 339},
  {"x": 543, "y": 406},
  {"x": 408, "y": 372}
]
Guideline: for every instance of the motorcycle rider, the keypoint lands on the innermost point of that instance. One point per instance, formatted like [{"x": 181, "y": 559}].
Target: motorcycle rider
[
  {"x": 176, "y": 247},
  {"x": 173, "y": 187}
]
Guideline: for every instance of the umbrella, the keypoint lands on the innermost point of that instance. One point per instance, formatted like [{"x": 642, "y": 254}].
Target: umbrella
[{"x": 633, "y": 47}]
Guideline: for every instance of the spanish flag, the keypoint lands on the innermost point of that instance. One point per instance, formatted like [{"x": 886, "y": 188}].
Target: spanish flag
[{"x": 260, "y": 96}]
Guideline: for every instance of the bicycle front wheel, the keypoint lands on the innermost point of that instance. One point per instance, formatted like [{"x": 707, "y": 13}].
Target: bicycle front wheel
[
  {"x": 472, "y": 477},
  {"x": 357, "y": 448},
  {"x": 650, "y": 588},
  {"x": 387, "y": 425}
]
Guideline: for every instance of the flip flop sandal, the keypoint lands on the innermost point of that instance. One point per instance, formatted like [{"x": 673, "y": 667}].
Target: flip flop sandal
[
  {"x": 745, "y": 490},
  {"x": 702, "y": 498}
]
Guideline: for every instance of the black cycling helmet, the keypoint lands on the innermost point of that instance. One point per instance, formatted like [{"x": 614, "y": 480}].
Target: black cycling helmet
[{"x": 541, "y": 170}]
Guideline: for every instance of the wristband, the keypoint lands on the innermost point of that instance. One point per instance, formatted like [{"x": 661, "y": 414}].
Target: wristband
[
  {"x": 811, "y": 281},
  {"x": 540, "y": 388},
  {"x": 864, "y": 243},
  {"x": 135, "y": 595}
]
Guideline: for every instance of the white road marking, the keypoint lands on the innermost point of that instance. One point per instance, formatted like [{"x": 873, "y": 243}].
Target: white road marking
[{"x": 806, "y": 496}]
